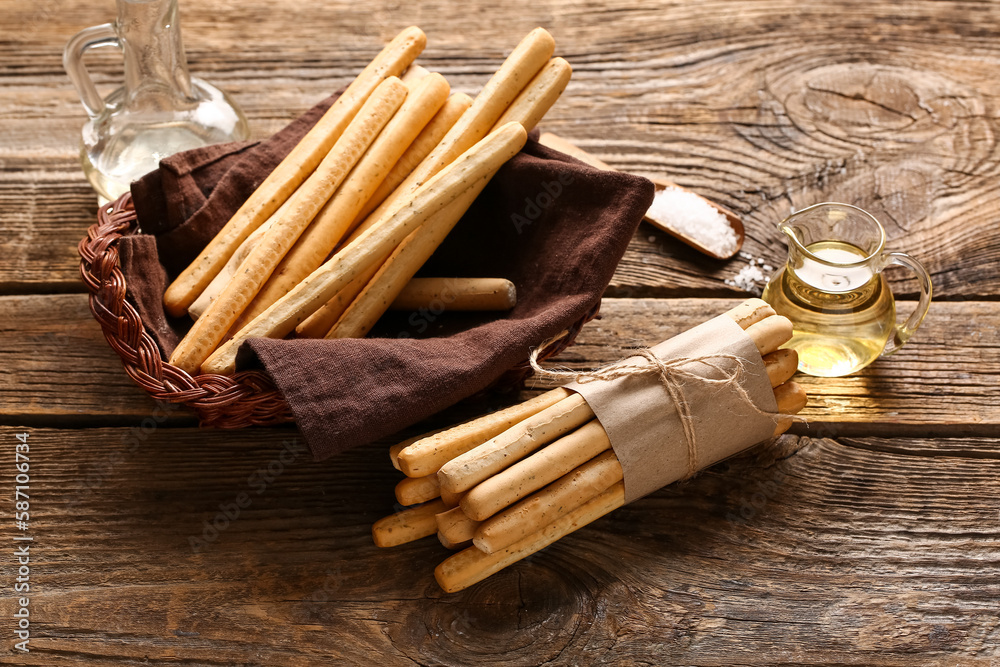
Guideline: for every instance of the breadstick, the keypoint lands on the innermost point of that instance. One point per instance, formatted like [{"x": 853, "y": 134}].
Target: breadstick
[
  {"x": 453, "y": 294},
  {"x": 749, "y": 312},
  {"x": 421, "y": 147},
  {"x": 229, "y": 270},
  {"x": 413, "y": 74},
  {"x": 477, "y": 164},
  {"x": 333, "y": 221},
  {"x": 542, "y": 508},
  {"x": 571, "y": 451},
  {"x": 530, "y": 55},
  {"x": 416, "y": 490},
  {"x": 292, "y": 170},
  {"x": 524, "y": 62},
  {"x": 465, "y": 471},
  {"x": 209, "y": 329},
  {"x": 781, "y": 365},
  {"x": 398, "y": 269},
  {"x": 451, "y": 500},
  {"x": 453, "y": 546},
  {"x": 411, "y": 524},
  {"x": 472, "y": 565},
  {"x": 426, "y": 456},
  {"x": 791, "y": 398},
  {"x": 497, "y": 489},
  {"x": 456, "y": 526},
  {"x": 770, "y": 333},
  {"x": 319, "y": 324},
  {"x": 373, "y": 301},
  {"x": 539, "y": 95},
  {"x": 471, "y": 468},
  {"x": 532, "y": 473},
  {"x": 400, "y": 446}
]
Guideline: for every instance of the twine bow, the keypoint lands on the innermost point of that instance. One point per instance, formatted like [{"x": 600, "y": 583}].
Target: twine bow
[{"x": 671, "y": 373}]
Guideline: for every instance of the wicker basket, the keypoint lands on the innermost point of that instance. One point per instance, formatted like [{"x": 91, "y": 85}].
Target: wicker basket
[{"x": 247, "y": 398}]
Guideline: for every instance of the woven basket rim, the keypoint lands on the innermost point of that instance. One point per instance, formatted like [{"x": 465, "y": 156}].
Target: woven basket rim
[{"x": 248, "y": 398}]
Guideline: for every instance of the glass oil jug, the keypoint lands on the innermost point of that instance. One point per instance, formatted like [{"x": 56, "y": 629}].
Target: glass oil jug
[
  {"x": 833, "y": 290},
  {"x": 160, "y": 110}
]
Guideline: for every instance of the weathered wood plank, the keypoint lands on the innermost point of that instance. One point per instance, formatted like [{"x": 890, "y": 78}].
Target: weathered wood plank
[
  {"x": 806, "y": 551},
  {"x": 55, "y": 365},
  {"x": 762, "y": 116}
]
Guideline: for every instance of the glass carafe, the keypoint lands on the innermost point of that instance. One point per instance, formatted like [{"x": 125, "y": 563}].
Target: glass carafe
[
  {"x": 160, "y": 110},
  {"x": 833, "y": 290}
]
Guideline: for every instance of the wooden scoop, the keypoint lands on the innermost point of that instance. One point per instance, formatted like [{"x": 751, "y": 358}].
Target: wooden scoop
[{"x": 560, "y": 144}]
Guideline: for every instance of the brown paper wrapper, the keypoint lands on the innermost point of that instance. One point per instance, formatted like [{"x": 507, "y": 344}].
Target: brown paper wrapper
[{"x": 644, "y": 425}]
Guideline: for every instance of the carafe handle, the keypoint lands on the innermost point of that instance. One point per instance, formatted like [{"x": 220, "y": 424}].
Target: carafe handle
[
  {"x": 904, "y": 331},
  {"x": 88, "y": 38}
]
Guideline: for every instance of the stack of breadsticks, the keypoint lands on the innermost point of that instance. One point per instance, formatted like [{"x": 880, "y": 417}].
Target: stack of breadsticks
[
  {"x": 331, "y": 239},
  {"x": 505, "y": 485}
]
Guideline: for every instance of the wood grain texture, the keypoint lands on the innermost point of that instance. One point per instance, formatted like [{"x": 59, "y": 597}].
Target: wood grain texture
[{"x": 804, "y": 551}]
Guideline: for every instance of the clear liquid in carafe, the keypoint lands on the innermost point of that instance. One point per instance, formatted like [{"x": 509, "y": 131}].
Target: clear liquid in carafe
[{"x": 842, "y": 315}]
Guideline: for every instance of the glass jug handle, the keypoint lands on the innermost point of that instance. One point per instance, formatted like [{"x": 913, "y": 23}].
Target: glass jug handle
[
  {"x": 905, "y": 330},
  {"x": 88, "y": 38}
]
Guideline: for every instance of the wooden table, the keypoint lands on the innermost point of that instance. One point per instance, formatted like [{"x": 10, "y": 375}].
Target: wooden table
[{"x": 870, "y": 535}]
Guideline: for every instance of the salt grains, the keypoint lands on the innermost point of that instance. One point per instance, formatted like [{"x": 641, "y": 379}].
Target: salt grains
[
  {"x": 751, "y": 277},
  {"x": 692, "y": 216}
]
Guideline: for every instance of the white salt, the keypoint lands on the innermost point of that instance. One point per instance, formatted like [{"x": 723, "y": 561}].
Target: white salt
[
  {"x": 695, "y": 218},
  {"x": 751, "y": 277}
]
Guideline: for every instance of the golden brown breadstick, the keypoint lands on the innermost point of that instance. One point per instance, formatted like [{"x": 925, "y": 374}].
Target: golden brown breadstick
[
  {"x": 426, "y": 456},
  {"x": 791, "y": 398},
  {"x": 770, "y": 333},
  {"x": 472, "y": 565},
  {"x": 413, "y": 74},
  {"x": 781, "y": 365},
  {"x": 421, "y": 147},
  {"x": 750, "y": 311},
  {"x": 333, "y": 221},
  {"x": 319, "y": 324},
  {"x": 477, "y": 164},
  {"x": 440, "y": 294},
  {"x": 572, "y": 450},
  {"x": 209, "y": 329},
  {"x": 230, "y": 268},
  {"x": 398, "y": 269},
  {"x": 416, "y": 490},
  {"x": 455, "y": 526},
  {"x": 530, "y": 55},
  {"x": 401, "y": 266},
  {"x": 292, "y": 170},
  {"x": 532, "y": 473},
  {"x": 473, "y": 467},
  {"x": 539, "y": 95},
  {"x": 524, "y": 62},
  {"x": 411, "y": 524},
  {"x": 542, "y": 508},
  {"x": 394, "y": 450},
  {"x": 453, "y": 546},
  {"x": 451, "y": 500},
  {"x": 465, "y": 471}
]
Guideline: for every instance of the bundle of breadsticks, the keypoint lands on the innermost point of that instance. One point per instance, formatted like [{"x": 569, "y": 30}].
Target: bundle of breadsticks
[
  {"x": 501, "y": 487},
  {"x": 333, "y": 236}
]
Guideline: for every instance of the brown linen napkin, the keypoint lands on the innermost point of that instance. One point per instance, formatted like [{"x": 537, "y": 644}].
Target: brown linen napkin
[{"x": 552, "y": 225}]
